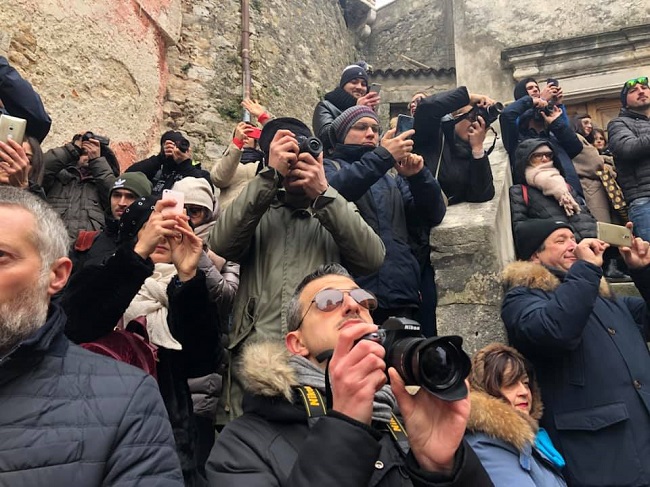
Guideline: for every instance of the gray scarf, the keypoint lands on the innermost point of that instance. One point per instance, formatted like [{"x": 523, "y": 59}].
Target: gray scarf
[{"x": 308, "y": 374}]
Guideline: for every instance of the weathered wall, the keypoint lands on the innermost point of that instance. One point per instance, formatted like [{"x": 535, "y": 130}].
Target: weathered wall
[
  {"x": 419, "y": 29},
  {"x": 483, "y": 29},
  {"x": 131, "y": 69}
]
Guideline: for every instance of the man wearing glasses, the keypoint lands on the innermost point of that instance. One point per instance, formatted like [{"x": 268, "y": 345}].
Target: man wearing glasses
[
  {"x": 629, "y": 141},
  {"x": 284, "y": 440},
  {"x": 393, "y": 205}
]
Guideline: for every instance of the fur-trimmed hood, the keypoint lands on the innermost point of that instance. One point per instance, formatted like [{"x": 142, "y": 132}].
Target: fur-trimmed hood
[
  {"x": 265, "y": 370},
  {"x": 536, "y": 276}
]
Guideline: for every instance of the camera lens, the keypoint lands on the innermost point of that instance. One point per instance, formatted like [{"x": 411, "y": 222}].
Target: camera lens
[{"x": 438, "y": 365}]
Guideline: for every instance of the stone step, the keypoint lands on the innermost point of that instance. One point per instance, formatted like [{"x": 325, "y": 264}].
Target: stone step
[{"x": 625, "y": 289}]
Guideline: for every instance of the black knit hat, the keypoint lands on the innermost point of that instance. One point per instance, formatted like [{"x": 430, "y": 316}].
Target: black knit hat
[
  {"x": 342, "y": 124},
  {"x": 282, "y": 123},
  {"x": 353, "y": 71},
  {"x": 531, "y": 234},
  {"x": 134, "y": 217},
  {"x": 520, "y": 88}
]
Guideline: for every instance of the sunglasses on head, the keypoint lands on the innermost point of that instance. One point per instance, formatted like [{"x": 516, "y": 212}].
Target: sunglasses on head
[
  {"x": 330, "y": 299},
  {"x": 631, "y": 83}
]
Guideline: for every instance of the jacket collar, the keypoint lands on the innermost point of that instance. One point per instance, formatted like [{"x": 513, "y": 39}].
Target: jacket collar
[
  {"x": 351, "y": 152},
  {"x": 626, "y": 112},
  {"x": 265, "y": 370},
  {"x": 341, "y": 99}
]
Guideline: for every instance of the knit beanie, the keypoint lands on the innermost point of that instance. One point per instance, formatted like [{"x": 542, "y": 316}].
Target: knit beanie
[
  {"x": 624, "y": 93},
  {"x": 136, "y": 182},
  {"x": 134, "y": 217},
  {"x": 353, "y": 71},
  {"x": 197, "y": 191},
  {"x": 344, "y": 122},
  {"x": 520, "y": 88},
  {"x": 282, "y": 123},
  {"x": 531, "y": 234}
]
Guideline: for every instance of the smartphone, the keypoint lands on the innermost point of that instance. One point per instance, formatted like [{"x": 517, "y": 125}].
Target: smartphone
[
  {"x": 376, "y": 87},
  {"x": 12, "y": 128},
  {"x": 404, "y": 123},
  {"x": 616, "y": 235},
  {"x": 170, "y": 194},
  {"x": 552, "y": 82}
]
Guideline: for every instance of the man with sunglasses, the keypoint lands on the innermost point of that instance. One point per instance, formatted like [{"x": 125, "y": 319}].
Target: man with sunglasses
[
  {"x": 629, "y": 141},
  {"x": 283, "y": 439},
  {"x": 393, "y": 205}
]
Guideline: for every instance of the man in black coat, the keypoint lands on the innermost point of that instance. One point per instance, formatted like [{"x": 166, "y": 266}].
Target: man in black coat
[
  {"x": 589, "y": 351},
  {"x": 282, "y": 441},
  {"x": 69, "y": 416}
]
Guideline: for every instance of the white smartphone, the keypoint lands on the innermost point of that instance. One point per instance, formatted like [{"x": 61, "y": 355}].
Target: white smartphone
[
  {"x": 170, "y": 194},
  {"x": 12, "y": 128},
  {"x": 616, "y": 235}
]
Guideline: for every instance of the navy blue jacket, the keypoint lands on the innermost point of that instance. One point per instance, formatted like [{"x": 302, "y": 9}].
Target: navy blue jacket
[
  {"x": 72, "y": 417},
  {"x": 20, "y": 100},
  {"x": 589, "y": 351},
  {"x": 389, "y": 204},
  {"x": 561, "y": 138}
]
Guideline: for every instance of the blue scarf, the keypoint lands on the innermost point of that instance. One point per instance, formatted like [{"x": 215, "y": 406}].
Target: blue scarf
[{"x": 544, "y": 444}]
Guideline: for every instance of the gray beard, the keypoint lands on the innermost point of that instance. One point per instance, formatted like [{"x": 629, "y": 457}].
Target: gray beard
[{"x": 23, "y": 315}]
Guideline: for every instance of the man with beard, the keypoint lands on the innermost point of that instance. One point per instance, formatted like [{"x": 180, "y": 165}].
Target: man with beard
[
  {"x": 173, "y": 163},
  {"x": 629, "y": 141},
  {"x": 352, "y": 91},
  {"x": 285, "y": 221},
  {"x": 69, "y": 416}
]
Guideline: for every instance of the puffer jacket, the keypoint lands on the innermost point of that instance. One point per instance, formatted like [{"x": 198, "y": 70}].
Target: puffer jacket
[
  {"x": 335, "y": 102},
  {"x": 461, "y": 177},
  {"x": 588, "y": 348},
  {"x": 389, "y": 204},
  {"x": 541, "y": 206},
  {"x": 81, "y": 200},
  {"x": 275, "y": 443},
  {"x": 629, "y": 141},
  {"x": 230, "y": 175},
  {"x": 72, "y": 417},
  {"x": 503, "y": 438},
  {"x": 163, "y": 171}
]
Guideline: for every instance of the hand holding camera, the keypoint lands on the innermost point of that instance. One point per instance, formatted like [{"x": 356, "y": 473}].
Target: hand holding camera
[
  {"x": 551, "y": 113},
  {"x": 283, "y": 151},
  {"x": 307, "y": 173},
  {"x": 399, "y": 146},
  {"x": 476, "y": 132}
]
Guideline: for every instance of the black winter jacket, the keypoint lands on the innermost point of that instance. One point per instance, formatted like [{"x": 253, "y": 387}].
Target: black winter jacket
[
  {"x": 326, "y": 111},
  {"x": 629, "y": 141},
  {"x": 163, "y": 171},
  {"x": 72, "y": 417},
  {"x": 103, "y": 246},
  {"x": 274, "y": 444},
  {"x": 461, "y": 177},
  {"x": 588, "y": 348},
  {"x": 389, "y": 204},
  {"x": 96, "y": 299}
]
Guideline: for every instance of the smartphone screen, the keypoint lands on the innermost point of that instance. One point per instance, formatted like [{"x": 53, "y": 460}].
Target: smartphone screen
[
  {"x": 404, "y": 123},
  {"x": 170, "y": 194}
]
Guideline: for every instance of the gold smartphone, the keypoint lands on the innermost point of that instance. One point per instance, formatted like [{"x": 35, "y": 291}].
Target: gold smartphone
[
  {"x": 614, "y": 234},
  {"x": 12, "y": 127}
]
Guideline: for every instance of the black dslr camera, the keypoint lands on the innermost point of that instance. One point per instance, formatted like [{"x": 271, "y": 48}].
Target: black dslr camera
[
  {"x": 438, "y": 364},
  {"x": 313, "y": 145},
  {"x": 547, "y": 110},
  {"x": 99, "y": 138},
  {"x": 490, "y": 113}
]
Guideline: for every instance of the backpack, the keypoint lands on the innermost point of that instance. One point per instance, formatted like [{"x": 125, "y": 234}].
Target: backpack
[{"x": 129, "y": 344}]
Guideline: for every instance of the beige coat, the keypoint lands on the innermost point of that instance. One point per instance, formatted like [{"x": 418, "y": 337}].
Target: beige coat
[
  {"x": 587, "y": 163},
  {"x": 230, "y": 176}
]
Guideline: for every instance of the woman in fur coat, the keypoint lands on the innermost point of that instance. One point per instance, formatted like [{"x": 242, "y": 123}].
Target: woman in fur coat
[{"x": 502, "y": 427}]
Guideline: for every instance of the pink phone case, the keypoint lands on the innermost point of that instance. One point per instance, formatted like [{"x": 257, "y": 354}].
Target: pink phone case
[{"x": 169, "y": 194}]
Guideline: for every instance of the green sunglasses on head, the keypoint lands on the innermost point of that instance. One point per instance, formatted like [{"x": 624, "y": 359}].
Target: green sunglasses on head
[{"x": 631, "y": 83}]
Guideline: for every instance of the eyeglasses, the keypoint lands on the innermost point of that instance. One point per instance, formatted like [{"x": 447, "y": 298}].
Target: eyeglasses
[
  {"x": 194, "y": 210},
  {"x": 329, "y": 299},
  {"x": 362, "y": 126},
  {"x": 538, "y": 156},
  {"x": 631, "y": 83}
]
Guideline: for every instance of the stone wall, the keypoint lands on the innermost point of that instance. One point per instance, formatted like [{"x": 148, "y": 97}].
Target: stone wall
[
  {"x": 132, "y": 69},
  {"x": 421, "y": 30}
]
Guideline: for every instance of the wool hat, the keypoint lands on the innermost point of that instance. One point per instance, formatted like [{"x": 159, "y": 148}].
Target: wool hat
[
  {"x": 531, "y": 234},
  {"x": 342, "y": 124},
  {"x": 134, "y": 217},
  {"x": 197, "y": 191},
  {"x": 353, "y": 71},
  {"x": 624, "y": 93},
  {"x": 282, "y": 123},
  {"x": 520, "y": 88},
  {"x": 136, "y": 182}
]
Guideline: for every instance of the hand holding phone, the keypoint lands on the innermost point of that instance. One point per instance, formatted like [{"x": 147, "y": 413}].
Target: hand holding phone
[
  {"x": 12, "y": 127},
  {"x": 177, "y": 209},
  {"x": 404, "y": 123},
  {"x": 375, "y": 88},
  {"x": 614, "y": 234}
]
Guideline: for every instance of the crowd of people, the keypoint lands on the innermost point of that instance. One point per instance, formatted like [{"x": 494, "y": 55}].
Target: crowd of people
[{"x": 240, "y": 309}]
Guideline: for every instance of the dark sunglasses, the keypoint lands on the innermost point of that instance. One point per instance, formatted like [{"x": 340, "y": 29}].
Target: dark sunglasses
[
  {"x": 329, "y": 299},
  {"x": 631, "y": 83},
  {"x": 194, "y": 210}
]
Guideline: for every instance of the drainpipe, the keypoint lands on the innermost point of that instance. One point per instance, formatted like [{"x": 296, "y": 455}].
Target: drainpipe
[{"x": 245, "y": 51}]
